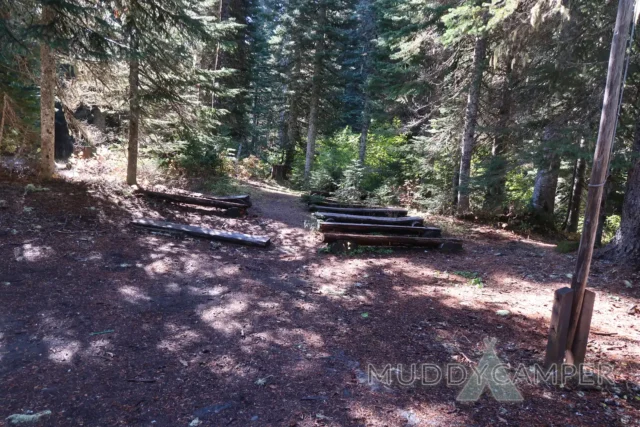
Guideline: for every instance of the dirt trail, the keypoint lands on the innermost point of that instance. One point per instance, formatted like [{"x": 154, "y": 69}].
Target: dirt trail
[{"x": 106, "y": 325}]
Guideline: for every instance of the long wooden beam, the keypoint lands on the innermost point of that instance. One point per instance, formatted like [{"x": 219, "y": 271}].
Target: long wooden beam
[
  {"x": 336, "y": 204},
  {"x": 369, "y": 240},
  {"x": 327, "y": 227},
  {"x": 363, "y": 219},
  {"x": 361, "y": 211},
  {"x": 200, "y": 201},
  {"x": 240, "y": 198},
  {"x": 206, "y": 233}
]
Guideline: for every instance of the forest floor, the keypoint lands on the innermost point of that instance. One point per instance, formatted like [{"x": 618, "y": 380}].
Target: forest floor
[{"x": 105, "y": 325}]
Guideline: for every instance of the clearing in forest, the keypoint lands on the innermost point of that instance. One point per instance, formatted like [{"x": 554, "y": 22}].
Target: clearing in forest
[{"x": 106, "y": 325}]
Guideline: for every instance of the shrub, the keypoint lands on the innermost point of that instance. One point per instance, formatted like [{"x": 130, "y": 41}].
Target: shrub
[{"x": 253, "y": 167}]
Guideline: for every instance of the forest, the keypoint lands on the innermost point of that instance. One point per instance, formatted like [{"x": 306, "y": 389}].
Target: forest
[
  {"x": 471, "y": 127},
  {"x": 483, "y": 108}
]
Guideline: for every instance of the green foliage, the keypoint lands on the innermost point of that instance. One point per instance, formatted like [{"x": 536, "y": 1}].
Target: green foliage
[
  {"x": 611, "y": 226},
  {"x": 224, "y": 186},
  {"x": 350, "y": 188},
  {"x": 253, "y": 167},
  {"x": 195, "y": 148},
  {"x": 336, "y": 167},
  {"x": 474, "y": 278}
]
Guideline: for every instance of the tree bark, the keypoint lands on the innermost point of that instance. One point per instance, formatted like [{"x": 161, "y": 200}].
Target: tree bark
[
  {"x": 470, "y": 122},
  {"x": 546, "y": 184},
  {"x": 367, "y": 32},
  {"x": 314, "y": 102},
  {"x": 570, "y": 201},
  {"x": 134, "y": 110},
  {"x": 454, "y": 186},
  {"x": 292, "y": 119},
  {"x": 578, "y": 188},
  {"x": 364, "y": 133},
  {"x": 627, "y": 239},
  {"x": 47, "y": 102},
  {"x": 256, "y": 120},
  {"x": 216, "y": 60},
  {"x": 4, "y": 115}
]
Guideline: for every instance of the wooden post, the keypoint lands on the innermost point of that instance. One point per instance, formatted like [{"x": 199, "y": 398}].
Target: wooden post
[
  {"x": 557, "y": 342},
  {"x": 579, "y": 347},
  {"x": 608, "y": 120}
]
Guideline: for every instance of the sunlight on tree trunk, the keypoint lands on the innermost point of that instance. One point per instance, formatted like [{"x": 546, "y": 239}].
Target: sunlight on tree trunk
[
  {"x": 544, "y": 190},
  {"x": 470, "y": 122},
  {"x": 134, "y": 111}
]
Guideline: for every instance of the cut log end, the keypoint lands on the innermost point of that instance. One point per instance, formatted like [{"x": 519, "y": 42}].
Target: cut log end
[{"x": 342, "y": 247}]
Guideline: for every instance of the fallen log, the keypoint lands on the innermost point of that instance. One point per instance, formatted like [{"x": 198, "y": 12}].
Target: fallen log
[
  {"x": 369, "y": 240},
  {"x": 337, "y": 204},
  {"x": 391, "y": 212},
  {"x": 363, "y": 219},
  {"x": 320, "y": 193},
  {"x": 206, "y": 233},
  {"x": 200, "y": 201},
  {"x": 327, "y": 227},
  {"x": 240, "y": 198}
]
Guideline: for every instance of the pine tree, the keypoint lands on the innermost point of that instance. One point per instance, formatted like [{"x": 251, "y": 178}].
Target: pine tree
[{"x": 318, "y": 71}]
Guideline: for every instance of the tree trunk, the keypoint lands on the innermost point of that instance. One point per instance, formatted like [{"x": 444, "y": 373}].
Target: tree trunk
[
  {"x": 627, "y": 239},
  {"x": 470, "y": 122},
  {"x": 578, "y": 188},
  {"x": 454, "y": 187},
  {"x": 256, "y": 119},
  {"x": 292, "y": 119},
  {"x": 4, "y": 115},
  {"x": 134, "y": 110},
  {"x": 47, "y": 102},
  {"x": 546, "y": 184},
  {"x": 495, "y": 196},
  {"x": 312, "y": 132},
  {"x": 364, "y": 133},
  {"x": 602, "y": 217},
  {"x": 570, "y": 202},
  {"x": 366, "y": 33},
  {"x": 283, "y": 132},
  {"x": 216, "y": 60}
]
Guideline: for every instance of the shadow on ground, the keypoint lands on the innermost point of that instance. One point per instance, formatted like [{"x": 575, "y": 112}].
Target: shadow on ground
[{"x": 106, "y": 325}]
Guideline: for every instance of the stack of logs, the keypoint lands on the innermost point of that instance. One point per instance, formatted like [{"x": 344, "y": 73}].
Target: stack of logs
[
  {"x": 233, "y": 206},
  {"x": 345, "y": 226}
]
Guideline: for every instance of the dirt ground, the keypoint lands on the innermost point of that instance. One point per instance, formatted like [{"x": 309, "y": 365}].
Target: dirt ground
[{"x": 106, "y": 325}]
